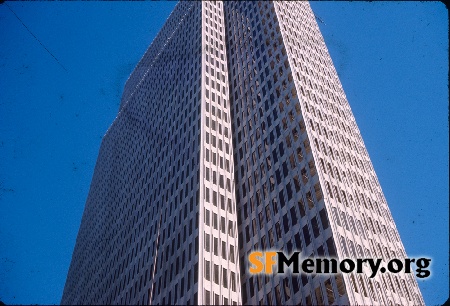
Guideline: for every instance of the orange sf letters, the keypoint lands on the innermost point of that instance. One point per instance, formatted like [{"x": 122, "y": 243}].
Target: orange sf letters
[{"x": 256, "y": 259}]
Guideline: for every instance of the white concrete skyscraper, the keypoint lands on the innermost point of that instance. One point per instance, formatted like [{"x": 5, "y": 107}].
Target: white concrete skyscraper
[{"x": 233, "y": 134}]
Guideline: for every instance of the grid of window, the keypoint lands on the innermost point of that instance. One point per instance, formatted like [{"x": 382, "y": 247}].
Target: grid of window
[
  {"x": 233, "y": 134},
  {"x": 219, "y": 226},
  {"x": 299, "y": 157},
  {"x": 140, "y": 226},
  {"x": 361, "y": 221},
  {"x": 280, "y": 202}
]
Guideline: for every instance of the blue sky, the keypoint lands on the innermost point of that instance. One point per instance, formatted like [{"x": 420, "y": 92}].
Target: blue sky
[{"x": 391, "y": 58}]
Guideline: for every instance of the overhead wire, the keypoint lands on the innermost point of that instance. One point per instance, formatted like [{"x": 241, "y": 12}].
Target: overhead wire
[
  {"x": 155, "y": 262},
  {"x": 35, "y": 36}
]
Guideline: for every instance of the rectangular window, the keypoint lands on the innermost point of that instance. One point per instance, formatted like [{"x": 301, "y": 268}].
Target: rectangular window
[
  {"x": 222, "y": 224},
  {"x": 216, "y": 246},
  {"x": 268, "y": 213},
  {"x": 285, "y": 224},
  {"x": 231, "y": 255},
  {"x": 254, "y": 227},
  {"x": 214, "y": 221},
  {"x": 206, "y": 194},
  {"x": 230, "y": 228},
  {"x": 269, "y": 298},
  {"x": 301, "y": 207},
  {"x": 216, "y": 299},
  {"x": 207, "y": 217},
  {"x": 207, "y": 270},
  {"x": 271, "y": 238},
  {"x": 278, "y": 295},
  {"x": 222, "y": 198},
  {"x": 216, "y": 274},
  {"x": 224, "y": 278},
  {"x": 274, "y": 206},
  {"x": 214, "y": 198},
  {"x": 224, "y": 250},
  {"x": 233, "y": 281},
  {"x": 324, "y": 219},
  {"x": 329, "y": 289},
  {"x": 293, "y": 216},
  {"x": 298, "y": 243},
  {"x": 278, "y": 230},
  {"x": 315, "y": 227},
  {"x": 207, "y": 243},
  {"x": 306, "y": 236},
  {"x": 207, "y": 174},
  {"x": 207, "y": 297},
  {"x": 287, "y": 290},
  {"x": 319, "y": 297}
]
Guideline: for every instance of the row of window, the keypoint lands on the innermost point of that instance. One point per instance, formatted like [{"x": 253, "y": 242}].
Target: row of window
[{"x": 220, "y": 275}]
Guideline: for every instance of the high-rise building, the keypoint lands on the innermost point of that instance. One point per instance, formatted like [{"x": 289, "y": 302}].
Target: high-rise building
[{"x": 233, "y": 134}]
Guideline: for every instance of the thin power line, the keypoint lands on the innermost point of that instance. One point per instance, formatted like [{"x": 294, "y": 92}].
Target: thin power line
[
  {"x": 155, "y": 262},
  {"x": 35, "y": 36}
]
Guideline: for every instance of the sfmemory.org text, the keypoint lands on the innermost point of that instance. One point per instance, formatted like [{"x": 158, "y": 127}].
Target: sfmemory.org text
[{"x": 265, "y": 262}]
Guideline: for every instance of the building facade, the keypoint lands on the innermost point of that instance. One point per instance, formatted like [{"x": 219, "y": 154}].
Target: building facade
[{"x": 233, "y": 135}]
